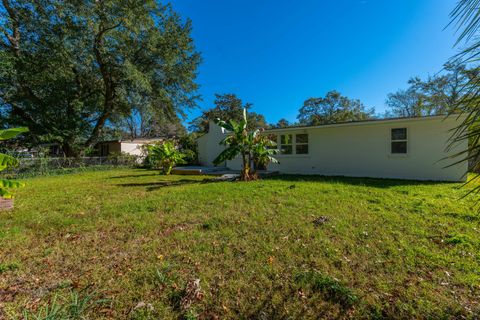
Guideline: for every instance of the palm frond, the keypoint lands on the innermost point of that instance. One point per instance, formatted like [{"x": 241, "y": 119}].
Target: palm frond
[
  {"x": 466, "y": 17},
  {"x": 7, "y": 161},
  {"x": 228, "y": 154}
]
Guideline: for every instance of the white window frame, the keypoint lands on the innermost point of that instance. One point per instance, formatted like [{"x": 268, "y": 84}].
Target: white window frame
[
  {"x": 293, "y": 144},
  {"x": 406, "y": 140},
  {"x": 279, "y": 139},
  {"x": 302, "y": 144}
]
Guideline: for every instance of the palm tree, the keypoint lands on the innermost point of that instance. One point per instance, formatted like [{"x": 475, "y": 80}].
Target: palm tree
[
  {"x": 466, "y": 18},
  {"x": 249, "y": 145}
]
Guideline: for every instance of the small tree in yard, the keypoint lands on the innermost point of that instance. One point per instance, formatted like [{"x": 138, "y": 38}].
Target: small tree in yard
[
  {"x": 249, "y": 145},
  {"x": 6, "y": 162},
  {"x": 164, "y": 156}
]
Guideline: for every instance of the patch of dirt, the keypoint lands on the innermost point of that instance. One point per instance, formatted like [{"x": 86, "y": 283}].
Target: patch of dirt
[{"x": 317, "y": 222}]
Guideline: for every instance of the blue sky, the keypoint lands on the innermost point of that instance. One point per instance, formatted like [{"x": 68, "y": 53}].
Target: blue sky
[{"x": 276, "y": 54}]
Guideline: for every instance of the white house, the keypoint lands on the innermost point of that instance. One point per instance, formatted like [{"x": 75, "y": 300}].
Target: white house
[
  {"x": 133, "y": 147},
  {"x": 403, "y": 148}
]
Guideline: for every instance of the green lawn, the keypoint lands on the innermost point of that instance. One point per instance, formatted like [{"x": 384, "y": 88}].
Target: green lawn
[{"x": 131, "y": 243}]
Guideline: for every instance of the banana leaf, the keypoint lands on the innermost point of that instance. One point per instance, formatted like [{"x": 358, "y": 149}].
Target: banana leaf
[
  {"x": 11, "y": 133},
  {"x": 7, "y": 161}
]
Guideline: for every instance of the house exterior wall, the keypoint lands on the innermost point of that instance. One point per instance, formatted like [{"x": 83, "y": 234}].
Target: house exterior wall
[
  {"x": 209, "y": 144},
  {"x": 363, "y": 149},
  {"x": 132, "y": 148}
]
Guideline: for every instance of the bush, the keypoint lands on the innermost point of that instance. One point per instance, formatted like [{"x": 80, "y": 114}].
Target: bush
[
  {"x": 188, "y": 146},
  {"x": 164, "y": 156}
]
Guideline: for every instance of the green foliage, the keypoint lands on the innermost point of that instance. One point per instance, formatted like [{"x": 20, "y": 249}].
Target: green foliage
[
  {"x": 466, "y": 17},
  {"x": 263, "y": 151},
  {"x": 7, "y": 161},
  {"x": 122, "y": 158},
  {"x": 164, "y": 155},
  {"x": 228, "y": 106},
  {"x": 251, "y": 146},
  {"x": 459, "y": 239},
  {"x": 71, "y": 68},
  {"x": 4, "y": 267},
  {"x": 282, "y": 123},
  {"x": 73, "y": 307},
  {"x": 188, "y": 146},
  {"x": 333, "y": 108},
  {"x": 437, "y": 95}
]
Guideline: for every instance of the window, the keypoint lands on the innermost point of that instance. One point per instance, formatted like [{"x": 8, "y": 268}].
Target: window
[
  {"x": 301, "y": 143},
  {"x": 399, "y": 141},
  {"x": 286, "y": 144}
]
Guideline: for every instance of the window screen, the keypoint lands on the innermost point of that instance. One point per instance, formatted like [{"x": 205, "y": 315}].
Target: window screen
[{"x": 399, "y": 141}]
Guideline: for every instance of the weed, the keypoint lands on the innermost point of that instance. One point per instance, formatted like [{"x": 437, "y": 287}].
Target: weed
[
  {"x": 73, "y": 307},
  {"x": 459, "y": 239},
  {"x": 4, "y": 267},
  {"x": 332, "y": 289}
]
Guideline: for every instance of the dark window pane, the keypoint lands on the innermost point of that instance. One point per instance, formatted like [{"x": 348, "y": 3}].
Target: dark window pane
[
  {"x": 286, "y": 149},
  {"x": 399, "y": 134},
  {"x": 399, "y": 147},
  {"x": 273, "y": 139},
  {"x": 286, "y": 139},
  {"x": 301, "y": 138},
  {"x": 301, "y": 148}
]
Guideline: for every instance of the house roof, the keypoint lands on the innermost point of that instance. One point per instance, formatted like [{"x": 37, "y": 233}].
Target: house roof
[
  {"x": 138, "y": 141},
  {"x": 363, "y": 122}
]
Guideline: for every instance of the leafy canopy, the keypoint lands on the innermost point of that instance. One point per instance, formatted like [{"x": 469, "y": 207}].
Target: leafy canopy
[
  {"x": 332, "y": 108},
  {"x": 437, "y": 95},
  {"x": 228, "y": 106},
  {"x": 69, "y": 68}
]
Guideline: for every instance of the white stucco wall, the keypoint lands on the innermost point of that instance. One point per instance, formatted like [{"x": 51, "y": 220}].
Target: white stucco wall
[
  {"x": 362, "y": 149},
  {"x": 131, "y": 148},
  {"x": 209, "y": 144}
]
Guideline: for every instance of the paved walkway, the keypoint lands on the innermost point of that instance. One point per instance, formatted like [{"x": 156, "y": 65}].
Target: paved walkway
[
  {"x": 214, "y": 171},
  {"x": 197, "y": 170}
]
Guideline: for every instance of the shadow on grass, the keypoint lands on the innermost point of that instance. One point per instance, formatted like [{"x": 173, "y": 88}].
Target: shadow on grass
[
  {"x": 151, "y": 186},
  {"x": 275, "y": 306},
  {"x": 368, "y": 182},
  {"x": 150, "y": 174}
]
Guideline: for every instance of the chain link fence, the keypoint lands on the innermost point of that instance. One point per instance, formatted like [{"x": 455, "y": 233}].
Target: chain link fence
[{"x": 51, "y": 166}]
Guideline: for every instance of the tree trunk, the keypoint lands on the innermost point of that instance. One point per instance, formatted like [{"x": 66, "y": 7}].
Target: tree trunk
[
  {"x": 69, "y": 150},
  {"x": 246, "y": 174}
]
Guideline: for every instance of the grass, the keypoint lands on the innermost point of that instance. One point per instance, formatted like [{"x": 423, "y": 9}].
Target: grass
[{"x": 131, "y": 244}]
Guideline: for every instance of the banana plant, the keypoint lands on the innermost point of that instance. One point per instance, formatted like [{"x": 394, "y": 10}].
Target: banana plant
[
  {"x": 7, "y": 161},
  {"x": 246, "y": 144},
  {"x": 263, "y": 151},
  {"x": 165, "y": 156}
]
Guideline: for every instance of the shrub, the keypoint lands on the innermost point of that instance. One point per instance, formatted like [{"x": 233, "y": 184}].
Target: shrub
[
  {"x": 123, "y": 158},
  {"x": 163, "y": 156},
  {"x": 188, "y": 146},
  {"x": 7, "y": 161}
]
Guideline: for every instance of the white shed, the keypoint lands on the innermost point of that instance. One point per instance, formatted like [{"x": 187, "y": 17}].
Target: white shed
[
  {"x": 403, "y": 148},
  {"x": 133, "y": 147}
]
